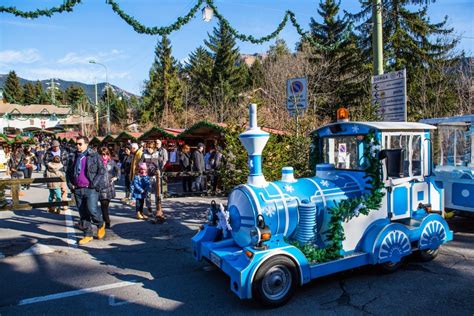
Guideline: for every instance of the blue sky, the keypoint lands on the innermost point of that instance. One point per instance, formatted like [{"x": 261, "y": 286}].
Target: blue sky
[{"x": 62, "y": 45}]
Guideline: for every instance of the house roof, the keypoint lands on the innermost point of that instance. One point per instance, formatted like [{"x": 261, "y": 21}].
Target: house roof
[
  {"x": 126, "y": 136},
  {"x": 34, "y": 109}
]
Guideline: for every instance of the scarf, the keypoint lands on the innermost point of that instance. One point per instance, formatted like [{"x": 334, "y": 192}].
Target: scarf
[
  {"x": 105, "y": 160},
  {"x": 78, "y": 165}
]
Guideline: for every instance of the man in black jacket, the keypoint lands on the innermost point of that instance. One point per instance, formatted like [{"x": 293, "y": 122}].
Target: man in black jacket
[
  {"x": 198, "y": 165},
  {"x": 84, "y": 176}
]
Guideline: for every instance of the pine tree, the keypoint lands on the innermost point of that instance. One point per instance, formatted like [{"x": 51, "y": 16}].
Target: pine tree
[
  {"x": 256, "y": 74},
  {"x": 12, "y": 90},
  {"x": 229, "y": 75},
  {"x": 29, "y": 94},
  {"x": 278, "y": 50},
  {"x": 73, "y": 95},
  {"x": 199, "y": 68},
  {"x": 411, "y": 41},
  {"x": 163, "y": 90},
  {"x": 42, "y": 98},
  {"x": 344, "y": 77}
]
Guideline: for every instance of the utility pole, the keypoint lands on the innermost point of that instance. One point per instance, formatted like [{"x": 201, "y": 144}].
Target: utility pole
[
  {"x": 96, "y": 109},
  {"x": 106, "y": 91},
  {"x": 377, "y": 40}
]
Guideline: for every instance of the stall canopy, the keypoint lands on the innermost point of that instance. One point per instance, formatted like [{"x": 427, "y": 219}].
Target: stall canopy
[
  {"x": 96, "y": 140},
  {"x": 109, "y": 139},
  {"x": 124, "y": 137},
  {"x": 156, "y": 133},
  {"x": 204, "y": 131}
]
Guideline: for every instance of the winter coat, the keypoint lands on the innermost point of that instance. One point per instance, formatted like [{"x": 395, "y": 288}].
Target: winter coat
[
  {"x": 155, "y": 161},
  {"x": 64, "y": 156},
  {"x": 53, "y": 170},
  {"x": 140, "y": 187},
  {"x": 107, "y": 191},
  {"x": 39, "y": 156},
  {"x": 198, "y": 161},
  {"x": 95, "y": 170},
  {"x": 136, "y": 157},
  {"x": 185, "y": 161},
  {"x": 127, "y": 164},
  {"x": 16, "y": 162}
]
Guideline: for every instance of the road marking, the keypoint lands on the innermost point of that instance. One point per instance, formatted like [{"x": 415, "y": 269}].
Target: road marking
[
  {"x": 58, "y": 296},
  {"x": 71, "y": 232},
  {"x": 113, "y": 303},
  {"x": 36, "y": 249}
]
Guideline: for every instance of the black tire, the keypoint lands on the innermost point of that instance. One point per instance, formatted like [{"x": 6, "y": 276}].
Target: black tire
[
  {"x": 278, "y": 275},
  {"x": 390, "y": 267},
  {"x": 427, "y": 255}
]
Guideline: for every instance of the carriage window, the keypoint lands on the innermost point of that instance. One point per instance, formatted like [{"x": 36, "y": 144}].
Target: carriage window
[
  {"x": 346, "y": 152},
  {"x": 416, "y": 155},
  {"x": 455, "y": 145}
]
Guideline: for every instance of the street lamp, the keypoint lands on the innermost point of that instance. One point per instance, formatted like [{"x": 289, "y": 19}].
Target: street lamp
[{"x": 107, "y": 93}]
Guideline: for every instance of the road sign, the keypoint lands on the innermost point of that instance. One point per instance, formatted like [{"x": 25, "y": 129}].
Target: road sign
[
  {"x": 297, "y": 94},
  {"x": 389, "y": 91}
]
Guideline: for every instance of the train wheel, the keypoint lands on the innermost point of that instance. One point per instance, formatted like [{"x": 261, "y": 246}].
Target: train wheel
[
  {"x": 275, "y": 281},
  {"x": 427, "y": 255},
  {"x": 390, "y": 267}
]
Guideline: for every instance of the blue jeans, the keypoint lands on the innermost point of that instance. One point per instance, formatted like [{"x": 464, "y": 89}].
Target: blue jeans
[{"x": 86, "y": 202}]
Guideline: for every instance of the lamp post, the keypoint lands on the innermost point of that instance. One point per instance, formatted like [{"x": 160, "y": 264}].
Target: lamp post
[{"x": 107, "y": 93}]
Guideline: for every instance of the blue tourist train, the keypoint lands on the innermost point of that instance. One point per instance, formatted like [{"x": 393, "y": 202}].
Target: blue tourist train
[
  {"x": 373, "y": 201},
  {"x": 455, "y": 160}
]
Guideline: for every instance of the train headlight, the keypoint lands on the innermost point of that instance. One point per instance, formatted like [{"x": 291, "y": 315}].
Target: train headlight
[{"x": 259, "y": 235}]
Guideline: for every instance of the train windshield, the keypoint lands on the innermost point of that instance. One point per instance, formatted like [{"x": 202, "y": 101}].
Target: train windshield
[{"x": 345, "y": 152}]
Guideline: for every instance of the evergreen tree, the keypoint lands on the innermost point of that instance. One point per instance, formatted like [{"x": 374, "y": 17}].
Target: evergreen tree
[
  {"x": 199, "y": 68},
  {"x": 279, "y": 49},
  {"x": 12, "y": 90},
  {"x": 42, "y": 98},
  {"x": 411, "y": 41},
  {"x": 73, "y": 95},
  {"x": 256, "y": 74},
  {"x": 163, "y": 90},
  {"x": 344, "y": 79},
  {"x": 29, "y": 94},
  {"x": 229, "y": 75}
]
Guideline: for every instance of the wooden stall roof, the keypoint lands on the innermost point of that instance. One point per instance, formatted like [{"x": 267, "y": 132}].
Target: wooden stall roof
[
  {"x": 109, "y": 138},
  {"x": 204, "y": 129},
  {"x": 96, "y": 140},
  {"x": 174, "y": 131},
  {"x": 156, "y": 133},
  {"x": 125, "y": 136}
]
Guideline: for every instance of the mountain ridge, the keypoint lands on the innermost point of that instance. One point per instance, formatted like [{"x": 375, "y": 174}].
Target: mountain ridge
[{"x": 64, "y": 84}]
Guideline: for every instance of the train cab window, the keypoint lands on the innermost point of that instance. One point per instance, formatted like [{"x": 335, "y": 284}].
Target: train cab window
[
  {"x": 402, "y": 142},
  {"x": 345, "y": 152},
  {"x": 412, "y": 152},
  {"x": 416, "y": 155}
]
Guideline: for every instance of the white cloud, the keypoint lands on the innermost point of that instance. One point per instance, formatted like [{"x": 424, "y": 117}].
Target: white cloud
[
  {"x": 25, "y": 56},
  {"x": 73, "y": 58}
]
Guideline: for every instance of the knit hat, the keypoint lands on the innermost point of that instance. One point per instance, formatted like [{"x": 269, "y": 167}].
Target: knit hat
[
  {"x": 54, "y": 143},
  {"x": 142, "y": 166}
]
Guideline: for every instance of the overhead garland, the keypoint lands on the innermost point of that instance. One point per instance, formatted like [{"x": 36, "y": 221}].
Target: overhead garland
[
  {"x": 67, "y": 6},
  {"x": 166, "y": 30},
  {"x": 345, "y": 210}
]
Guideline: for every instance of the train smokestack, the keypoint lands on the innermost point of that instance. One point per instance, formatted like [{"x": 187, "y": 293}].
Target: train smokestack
[{"x": 254, "y": 140}]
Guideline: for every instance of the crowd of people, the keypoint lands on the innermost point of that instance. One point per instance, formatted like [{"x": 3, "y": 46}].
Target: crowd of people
[{"x": 90, "y": 173}]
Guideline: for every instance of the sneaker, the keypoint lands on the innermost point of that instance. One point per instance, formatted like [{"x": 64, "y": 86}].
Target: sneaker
[
  {"x": 85, "y": 240},
  {"x": 144, "y": 216},
  {"x": 139, "y": 216},
  {"x": 148, "y": 212},
  {"x": 101, "y": 232}
]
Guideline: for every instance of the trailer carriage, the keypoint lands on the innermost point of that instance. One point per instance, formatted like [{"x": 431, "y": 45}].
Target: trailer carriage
[{"x": 373, "y": 200}]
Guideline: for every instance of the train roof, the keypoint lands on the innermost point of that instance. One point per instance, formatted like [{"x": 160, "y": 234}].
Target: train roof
[
  {"x": 450, "y": 119},
  {"x": 386, "y": 126}
]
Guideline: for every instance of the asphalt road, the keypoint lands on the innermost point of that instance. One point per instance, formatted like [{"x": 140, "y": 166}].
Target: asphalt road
[{"x": 142, "y": 269}]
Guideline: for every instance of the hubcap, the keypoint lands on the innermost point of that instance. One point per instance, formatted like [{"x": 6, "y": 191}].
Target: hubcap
[{"x": 277, "y": 282}]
